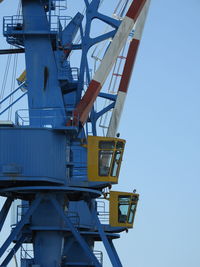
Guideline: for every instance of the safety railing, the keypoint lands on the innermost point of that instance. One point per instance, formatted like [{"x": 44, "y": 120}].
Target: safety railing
[
  {"x": 102, "y": 213},
  {"x": 56, "y": 21},
  {"x": 15, "y": 25},
  {"x": 27, "y": 252},
  {"x": 72, "y": 216},
  {"x": 11, "y": 23},
  {"x": 21, "y": 210},
  {"x": 99, "y": 256},
  {"x": 45, "y": 118},
  {"x": 75, "y": 73},
  {"x": 60, "y": 4},
  {"x": 66, "y": 72}
]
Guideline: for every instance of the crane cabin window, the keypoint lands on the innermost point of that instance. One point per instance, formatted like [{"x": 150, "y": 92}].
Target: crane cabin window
[
  {"x": 116, "y": 163},
  {"x": 120, "y": 145},
  {"x": 126, "y": 208},
  {"x": 105, "y": 161},
  {"x": 104, "y": 158},
  {"x": 106, "y": 144},
  {"x": 123, "y": 206},
  {"x": 132, "y": 213},
  {"x": 110, "y": 157}
]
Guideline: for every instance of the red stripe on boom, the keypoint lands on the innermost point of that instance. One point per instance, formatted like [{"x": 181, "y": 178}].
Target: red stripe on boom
[
  {"x": 128, "y": 67},
  {"x": 83, "y": 108},
  {"x": 135, "y": 9}
]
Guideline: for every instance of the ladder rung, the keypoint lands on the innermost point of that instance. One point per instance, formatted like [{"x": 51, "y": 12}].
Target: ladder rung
[
  {"x": 121, "y": 57},
  {"x": 103, "y": 126},
  {"x": 117, "y": 74}
]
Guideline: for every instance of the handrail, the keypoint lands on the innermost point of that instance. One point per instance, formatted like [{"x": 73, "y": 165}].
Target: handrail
[
  {"x": 15, "y": 23},
  {"x": 2, "y": 101},
  {"x": 47, "y": 117}
]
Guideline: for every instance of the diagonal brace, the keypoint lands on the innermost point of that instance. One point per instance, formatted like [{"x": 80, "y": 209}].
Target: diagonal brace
[
  {"x": 111, "y": 253},
  {"x": 75, "y": 233},
  {"x": 13, "y": 251},
  {"x": 114, "y": 250},
  {"x": 4, "y": 211},
  {"x": 20, "y": 225}
]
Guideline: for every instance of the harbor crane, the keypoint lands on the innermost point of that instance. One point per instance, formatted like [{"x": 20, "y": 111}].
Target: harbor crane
[{"x": 56, "y": 170}]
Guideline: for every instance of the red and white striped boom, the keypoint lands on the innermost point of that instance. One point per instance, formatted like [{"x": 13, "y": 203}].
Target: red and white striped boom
[
  {"x": 84, "y": 106},
  {"x": 127, "y": 72}
]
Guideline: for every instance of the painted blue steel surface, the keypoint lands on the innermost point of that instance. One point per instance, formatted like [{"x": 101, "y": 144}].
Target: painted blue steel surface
[
  {"x": 43, "y": 86},
  {"x": 83, "y": 212},
  {"x": 20, "y": 225},
  {"x": 59, "y": 220},
  {"x": 86, "y": 247},
  {"x": 110, "y": 248},
  {"x": 36, "y": 154},
  {"x": 71, "y": 246},
  {"x": 51, "y": 241},
  {"x": 13, "y": 251},
  {"x": 79, "y": 161}
]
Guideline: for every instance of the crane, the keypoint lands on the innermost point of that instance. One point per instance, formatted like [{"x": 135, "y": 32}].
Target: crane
[{"x": 52, "y": 160}]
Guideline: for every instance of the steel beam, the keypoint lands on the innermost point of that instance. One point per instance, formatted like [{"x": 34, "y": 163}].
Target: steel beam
[
  {"x": 109, "y": 248},
  {"x": 4, "y": 211},
  {"x": 11, "y": 51},
  {"x": 76, "y": 233},
  {"x": 20, "y": 225},
  {"x": 13, "y": 251}
]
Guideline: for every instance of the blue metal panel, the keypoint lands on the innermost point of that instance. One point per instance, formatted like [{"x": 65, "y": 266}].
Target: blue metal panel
[
  {"x": 27, "y": 262},
  {"x": 43, "y": 86},
  {"x": 75, "y": 249},
  {"x": 38, "y": 154},
  {"x": 79, "y": 160},
  {"x": 81, "y": 209}
]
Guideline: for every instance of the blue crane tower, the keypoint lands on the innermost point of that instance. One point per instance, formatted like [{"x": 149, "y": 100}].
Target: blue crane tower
[{"x": 52, "y": 158}]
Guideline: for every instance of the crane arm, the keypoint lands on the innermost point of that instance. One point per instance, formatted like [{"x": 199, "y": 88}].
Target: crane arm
[
  {"x": 127, "y": 72},
  {"x": 84, "y": 106}
]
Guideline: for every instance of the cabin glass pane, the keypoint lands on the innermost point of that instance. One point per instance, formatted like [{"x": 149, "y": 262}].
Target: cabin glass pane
[
  {"x": 120, "y": 145},
  {"x": 107, "y": 144},
  {"x": 123, "y": 208},
  {"x": 105, "y": 161},
  {"x": 132, "y": 213},
  {"x": 116, "y": 163}
]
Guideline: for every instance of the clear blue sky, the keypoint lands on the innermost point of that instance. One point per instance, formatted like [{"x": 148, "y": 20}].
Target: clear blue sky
[{"x": 161, "y": 123}]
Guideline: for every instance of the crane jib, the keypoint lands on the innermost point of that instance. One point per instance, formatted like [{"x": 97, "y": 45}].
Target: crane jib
[{"x": 84, "y": 106}]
